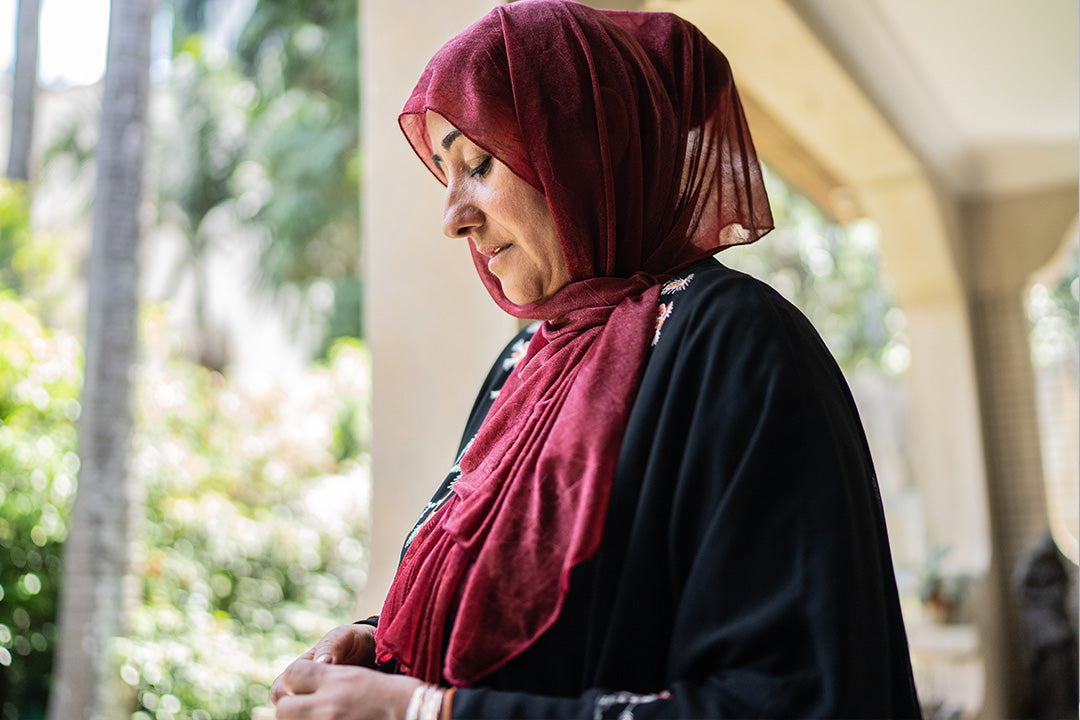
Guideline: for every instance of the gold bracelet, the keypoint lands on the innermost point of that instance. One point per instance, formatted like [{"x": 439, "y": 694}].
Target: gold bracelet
[{"x": 447, "y": 704}]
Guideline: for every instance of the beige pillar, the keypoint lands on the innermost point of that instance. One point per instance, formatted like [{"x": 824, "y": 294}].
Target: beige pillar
[
  {"x": 1005, "y": 240},
  {"x": 946, "y": 441},
  {"x": 432, "y": 329}
]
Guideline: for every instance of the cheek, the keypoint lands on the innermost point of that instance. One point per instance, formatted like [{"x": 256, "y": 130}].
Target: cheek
[
  {"x": 545, "y": 234},
  {"x": 554, "y": 251},
  {"x": 554, "y": 247}
]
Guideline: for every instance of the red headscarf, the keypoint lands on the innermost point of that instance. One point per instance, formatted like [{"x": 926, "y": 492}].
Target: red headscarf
[{"x": 630, "y": 126}]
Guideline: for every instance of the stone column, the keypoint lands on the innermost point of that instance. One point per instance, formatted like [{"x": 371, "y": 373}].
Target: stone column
[
  {"x": 1005, "y": 240},
  {"x": 432, "y": 329},
  {"x": 946, "y": 445}
]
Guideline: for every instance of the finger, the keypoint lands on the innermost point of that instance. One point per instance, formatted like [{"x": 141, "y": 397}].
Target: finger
[
  {"x": 346, "y": 645},
  {"x": 328, "y": 650},
  {"x": 302, "y": 677},
  {"x": 332, "y": 648},
  {"x": 294, "y": 707},
  {"x": 278, "y": 688}
]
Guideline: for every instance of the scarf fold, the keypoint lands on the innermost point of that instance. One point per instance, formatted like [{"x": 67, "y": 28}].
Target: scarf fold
[{"x": 630, "y": 125}]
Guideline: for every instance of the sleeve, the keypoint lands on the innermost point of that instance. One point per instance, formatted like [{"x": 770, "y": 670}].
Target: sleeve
[{"x": 765, "y": 540}]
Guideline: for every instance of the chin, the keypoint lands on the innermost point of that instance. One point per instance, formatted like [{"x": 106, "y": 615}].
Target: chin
[
  {"x": 522, "y": 300},
  {"x": 519, "y": 297}
]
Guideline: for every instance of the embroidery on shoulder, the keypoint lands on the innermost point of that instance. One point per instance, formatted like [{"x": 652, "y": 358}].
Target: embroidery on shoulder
[
  {"x": 663, "y": 312},
  {"x": 517, "y": 351},
  {"x": 626, "y": 701},
  {"x": 677, "y": 285}
]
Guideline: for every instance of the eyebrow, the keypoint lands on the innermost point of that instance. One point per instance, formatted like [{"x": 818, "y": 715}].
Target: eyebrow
[
  {"x": 447, "y": 141},
  {"x": 450, "y": 138}
]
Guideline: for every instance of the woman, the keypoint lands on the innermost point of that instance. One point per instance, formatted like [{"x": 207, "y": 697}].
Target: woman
[{"x": 663, "y": 505}]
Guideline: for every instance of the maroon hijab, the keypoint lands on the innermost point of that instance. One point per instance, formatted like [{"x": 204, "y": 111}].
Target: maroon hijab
[{"x": 630, "y": 126}]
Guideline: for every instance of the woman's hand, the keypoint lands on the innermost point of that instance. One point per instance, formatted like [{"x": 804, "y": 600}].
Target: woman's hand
[
  {"x": 321, "y": 691},
  {"x": 345, "y": 645}
]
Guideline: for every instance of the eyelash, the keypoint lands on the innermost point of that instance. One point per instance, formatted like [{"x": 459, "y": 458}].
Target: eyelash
[{"x": 482, "y": 169}]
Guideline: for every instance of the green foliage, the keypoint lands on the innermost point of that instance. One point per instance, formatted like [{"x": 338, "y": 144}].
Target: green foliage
[
  {"x": 303, "y": 60},
  {"x": 833, "y": 274},
  {"x": 268, "y": 136},
  {"x": 39, "y": 386},
  {"x": 14, "y": 227},
  {"x": 352, "y": 426},
  {"x": 252, "y": 540},
  {"x": 26, "y": 260},
  {"x": 249, "y": 545},
  {"x": 344, "y": 317},
  {"x": 1054, "y": 311},
  {"x": 204, "y": 138},
  {"x": 312, "y": 46},
  {"x": 189, "y": 18}
]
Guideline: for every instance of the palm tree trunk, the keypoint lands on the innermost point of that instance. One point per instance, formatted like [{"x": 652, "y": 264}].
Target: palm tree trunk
[
  {"x": 23, "y": 90},
  {"x": 96, "y": 552}
]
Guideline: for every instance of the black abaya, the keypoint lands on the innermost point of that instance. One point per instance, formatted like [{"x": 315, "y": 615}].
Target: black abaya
[{"x": 745, "y": 567}]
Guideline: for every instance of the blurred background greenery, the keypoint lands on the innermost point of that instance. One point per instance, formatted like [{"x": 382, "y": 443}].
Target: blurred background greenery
[{"x": 249, "y": 514}]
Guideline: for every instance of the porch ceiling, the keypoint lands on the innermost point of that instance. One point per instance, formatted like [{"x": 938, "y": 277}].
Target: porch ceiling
[{"x": 985, "y": 92}]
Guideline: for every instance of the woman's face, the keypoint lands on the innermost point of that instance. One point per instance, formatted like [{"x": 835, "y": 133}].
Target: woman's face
[{"x": 507, "y": 220}]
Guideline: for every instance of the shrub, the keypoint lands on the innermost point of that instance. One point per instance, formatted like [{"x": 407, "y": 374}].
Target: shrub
[
  {"x": 252, "y": 542},
  {"x": 252, "y": 507},
  {"x": 39, "y": 386}
]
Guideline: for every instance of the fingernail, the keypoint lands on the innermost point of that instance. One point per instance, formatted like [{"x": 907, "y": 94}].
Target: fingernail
[{"x": 324, "y": 658}]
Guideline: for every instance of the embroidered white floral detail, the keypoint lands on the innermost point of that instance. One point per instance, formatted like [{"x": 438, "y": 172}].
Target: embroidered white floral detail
[
  {"x": 629, "y": 700},
  {"x": 457, "y": 462},
  {"x": 517, "y": 351},
  {"x": 676, "y": 285},
  {"x": 663, "y": 312},
  {"x": 519, "y": 348}
]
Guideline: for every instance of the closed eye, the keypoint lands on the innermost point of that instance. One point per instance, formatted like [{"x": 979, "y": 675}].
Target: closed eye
[{"x": 482, "y": 169}]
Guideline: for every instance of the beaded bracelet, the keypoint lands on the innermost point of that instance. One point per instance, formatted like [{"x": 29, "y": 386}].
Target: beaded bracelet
[
  {"x": 425, "y": 704},
  {"x": 431, "y": 708},
  {"x": 412, "y": 712}
]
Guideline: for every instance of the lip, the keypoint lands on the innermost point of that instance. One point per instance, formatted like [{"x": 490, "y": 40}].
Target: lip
[{"x": 490, "y": 251}]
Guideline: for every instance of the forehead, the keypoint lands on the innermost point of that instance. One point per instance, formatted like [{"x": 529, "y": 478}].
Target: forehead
[
  {"x": 441, "y": 133},
  {"x": 436, "y": 123}
]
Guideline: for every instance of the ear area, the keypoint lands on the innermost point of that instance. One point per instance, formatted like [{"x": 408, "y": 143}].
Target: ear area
[{"x": 614, "y": 124}]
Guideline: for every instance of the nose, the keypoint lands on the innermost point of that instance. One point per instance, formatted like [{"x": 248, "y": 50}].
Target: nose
[{"x": 461, "y": 216}]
